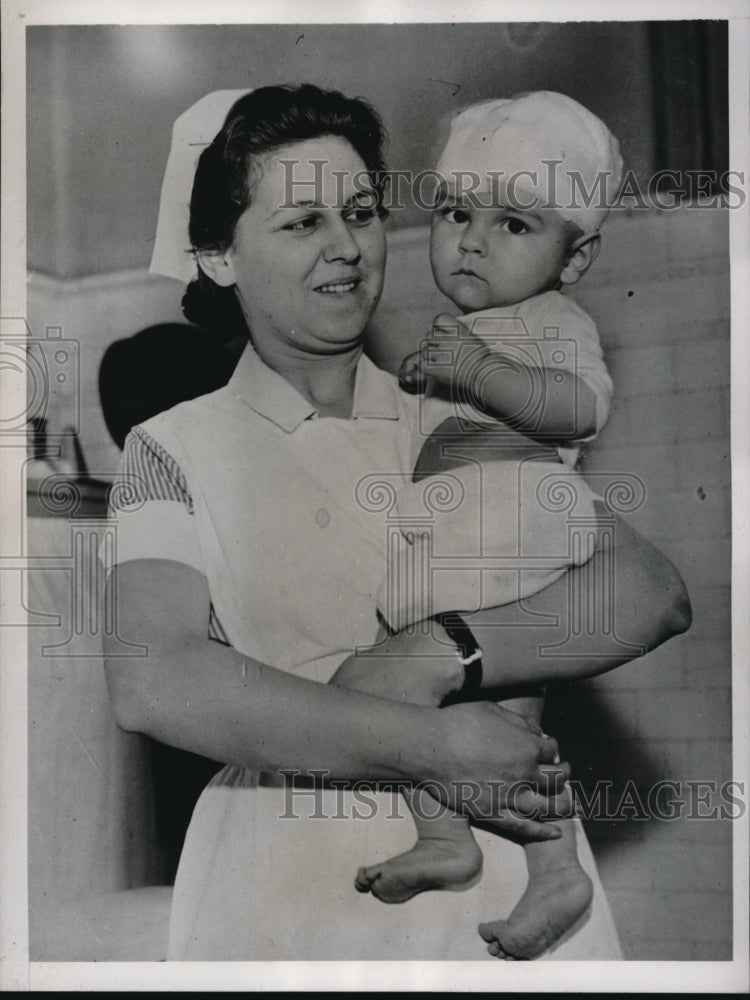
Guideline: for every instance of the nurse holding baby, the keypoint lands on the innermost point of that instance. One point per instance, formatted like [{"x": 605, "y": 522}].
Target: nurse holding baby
[{"x": 247, "y": 566}]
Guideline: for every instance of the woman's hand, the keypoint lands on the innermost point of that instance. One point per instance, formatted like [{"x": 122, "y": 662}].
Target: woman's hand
[
  {"x": 504, "y": 772},
  {"x": 499, "y": 768}
]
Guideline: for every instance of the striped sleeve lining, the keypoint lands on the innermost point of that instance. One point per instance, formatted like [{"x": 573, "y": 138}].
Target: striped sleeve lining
[
  {"x": 152, "y": 472},
  {"x": 155, "y": 475}
]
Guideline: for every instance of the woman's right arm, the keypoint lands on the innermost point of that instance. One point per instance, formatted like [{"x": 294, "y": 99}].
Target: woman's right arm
[{"x": 191, "y": 692}]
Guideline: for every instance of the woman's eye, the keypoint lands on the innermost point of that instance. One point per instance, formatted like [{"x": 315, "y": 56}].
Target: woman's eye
[
  {"x": 515, "y": 226},
  {"x": 305, "y": 225}
]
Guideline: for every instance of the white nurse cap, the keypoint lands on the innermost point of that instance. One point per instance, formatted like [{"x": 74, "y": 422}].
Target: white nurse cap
[{"x": 195, "y": 129}]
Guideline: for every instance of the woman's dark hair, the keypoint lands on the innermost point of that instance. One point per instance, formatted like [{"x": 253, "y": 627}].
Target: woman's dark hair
[{"x": 258, "y": 123}]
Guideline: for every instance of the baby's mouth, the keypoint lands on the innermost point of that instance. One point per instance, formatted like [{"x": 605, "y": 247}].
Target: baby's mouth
[
  {"x": 339, "y": 287},
  {"x": 468, "y": 272}
]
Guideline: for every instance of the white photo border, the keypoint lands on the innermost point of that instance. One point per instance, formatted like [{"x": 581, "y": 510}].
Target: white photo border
[{"x": 16, "y": 972}]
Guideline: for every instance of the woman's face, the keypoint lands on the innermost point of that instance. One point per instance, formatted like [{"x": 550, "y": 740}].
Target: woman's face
[{"x": 309, "y": 252}]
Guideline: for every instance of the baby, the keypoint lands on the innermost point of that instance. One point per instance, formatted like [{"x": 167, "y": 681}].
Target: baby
[{"x": 520, "y": 371}]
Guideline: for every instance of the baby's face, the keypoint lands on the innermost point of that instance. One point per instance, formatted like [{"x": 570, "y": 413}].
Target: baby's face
[{"x": 488, "y": 255}]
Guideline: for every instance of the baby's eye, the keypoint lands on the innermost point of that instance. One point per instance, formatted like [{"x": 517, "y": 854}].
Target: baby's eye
[
  {"x": 515, "y": 226},
  {"x": 457, "y": 216},
  {"x": 305, "y": 225}
]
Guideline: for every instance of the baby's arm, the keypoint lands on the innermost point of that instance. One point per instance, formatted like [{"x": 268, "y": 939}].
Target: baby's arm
[{"x": 546, "y": 403}]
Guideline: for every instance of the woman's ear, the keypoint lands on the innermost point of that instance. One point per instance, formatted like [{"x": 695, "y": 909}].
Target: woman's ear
[
  {"x": 218, "y": 265},
  {"x": 582, "y": 253}
]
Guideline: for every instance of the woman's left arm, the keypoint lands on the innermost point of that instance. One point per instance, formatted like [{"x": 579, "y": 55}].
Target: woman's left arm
[
  {"x": 640, "y": 600},
  {"x": 624, "y": 602}
]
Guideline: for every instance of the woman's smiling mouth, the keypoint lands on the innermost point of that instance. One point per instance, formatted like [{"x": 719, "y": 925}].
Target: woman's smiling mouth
[{"x": 338, "y": 287}]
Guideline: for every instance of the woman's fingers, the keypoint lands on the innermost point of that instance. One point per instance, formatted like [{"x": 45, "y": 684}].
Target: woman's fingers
[
  {"x": 555, "y": 775},
  {"x": 520, "y": 721},
  {"x": 541, "y": 805},
  {"x": 549, "y": 751},
  {"x": 522, "y": 830},
  {"x": 511, "y": 772}
]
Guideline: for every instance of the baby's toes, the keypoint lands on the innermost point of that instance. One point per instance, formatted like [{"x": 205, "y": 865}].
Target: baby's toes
[
  {"x": 363, "y": 880},
  {"x": 487, "y": 932}
]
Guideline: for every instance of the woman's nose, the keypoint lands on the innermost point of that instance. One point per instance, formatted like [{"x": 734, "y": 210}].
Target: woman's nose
[
  {"x": 473, "y": 241},
  {"x": 341, "y": 244}
]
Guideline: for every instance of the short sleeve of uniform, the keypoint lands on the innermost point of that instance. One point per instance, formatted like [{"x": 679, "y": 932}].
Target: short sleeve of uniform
[
  {"x": 580, "y": 352},
  {"x": 151, "y": 505}
]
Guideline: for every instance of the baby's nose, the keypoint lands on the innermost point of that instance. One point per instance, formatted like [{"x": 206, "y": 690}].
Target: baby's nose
[{"x": 472, "y": 241}]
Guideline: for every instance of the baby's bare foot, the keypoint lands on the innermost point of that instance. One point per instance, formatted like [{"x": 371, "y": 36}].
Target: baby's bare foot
[
  {"x": 553, "y": 901},
  {"x": 433, "y": 863}
]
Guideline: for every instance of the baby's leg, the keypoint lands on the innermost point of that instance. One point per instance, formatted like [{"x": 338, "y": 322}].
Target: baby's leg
[
  {"x": 445, "y": 855},
  {"x": 450, "y": 445},
  {"x": 558, "y": 892}
]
